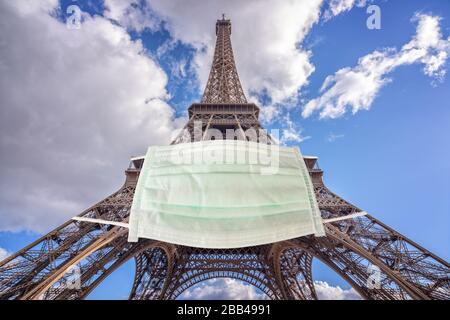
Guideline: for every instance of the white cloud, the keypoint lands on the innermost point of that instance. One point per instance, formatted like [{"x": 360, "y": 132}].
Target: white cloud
[
  {"x": 178, "y": 68},
  {"x": 333, "y": 137},
  {"x": 267, "y": 37},
  {"x": 291, "y": 132},
  {"x": 232, "y": 289},
  {"x": 336, "y": 7},
  {"x": 131, "y": 14},
  {"x": 267, "y": 113},
  {"x": 327, "y": 292},
  {"x": 26, "y": 7},
  {"x": 3, "y": 254},
  {"x": 76, "y": 104},
  {"x": 223, "y": 289},
  {"x": 357, "y": 87}
]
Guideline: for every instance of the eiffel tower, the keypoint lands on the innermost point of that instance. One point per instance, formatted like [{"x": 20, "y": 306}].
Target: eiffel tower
[{"x": 353, "y": 248}]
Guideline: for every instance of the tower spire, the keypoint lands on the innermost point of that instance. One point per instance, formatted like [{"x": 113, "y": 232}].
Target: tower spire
[{"x": 223, "y": 84}]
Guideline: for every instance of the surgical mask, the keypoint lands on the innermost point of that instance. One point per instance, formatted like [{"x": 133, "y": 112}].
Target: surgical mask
[{"x": 224, "y": 194}]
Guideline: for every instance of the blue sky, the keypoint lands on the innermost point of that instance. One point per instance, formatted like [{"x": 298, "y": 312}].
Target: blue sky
[{"x": 390, "y": 158}]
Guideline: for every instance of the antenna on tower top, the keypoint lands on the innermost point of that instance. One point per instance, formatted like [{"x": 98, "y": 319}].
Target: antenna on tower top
[{"x": 223, "y": 16}]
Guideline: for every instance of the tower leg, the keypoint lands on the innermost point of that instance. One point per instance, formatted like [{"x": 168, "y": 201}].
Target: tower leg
[
  {"x": 296, "y": 271},
  {"x": 151, "y": 273}
]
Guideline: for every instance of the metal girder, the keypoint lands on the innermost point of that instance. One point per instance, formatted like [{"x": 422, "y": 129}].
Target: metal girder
[{"x": 281, "y": 270}]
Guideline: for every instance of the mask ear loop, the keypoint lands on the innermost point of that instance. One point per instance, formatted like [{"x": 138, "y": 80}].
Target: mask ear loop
[
  {"x": 126, "y": 225},
  {"x": 350, "y": 216},
  {"x": 101, "y": 221}
]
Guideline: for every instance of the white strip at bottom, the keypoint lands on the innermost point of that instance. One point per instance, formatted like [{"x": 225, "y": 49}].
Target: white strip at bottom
[
  {"x": 350, "y": 216},
  {"x": 100, "y": 221}
]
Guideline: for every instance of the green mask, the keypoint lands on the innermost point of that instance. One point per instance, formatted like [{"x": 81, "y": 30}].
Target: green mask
[{"x": 224, "y": 194}]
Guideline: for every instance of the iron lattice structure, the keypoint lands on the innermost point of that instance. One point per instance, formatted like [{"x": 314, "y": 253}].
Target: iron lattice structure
[
  {"x": 223, "y": 85},
  {"x": 281, "y": 270}
]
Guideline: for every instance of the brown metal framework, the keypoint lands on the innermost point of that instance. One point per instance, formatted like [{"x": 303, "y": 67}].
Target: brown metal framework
[
  {"x": 223, "y": 85},
  {"x": 281, "y": 270}
]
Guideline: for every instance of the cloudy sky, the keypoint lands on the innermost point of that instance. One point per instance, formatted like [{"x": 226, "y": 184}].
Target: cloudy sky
[{"x": 372, "y": 104}]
